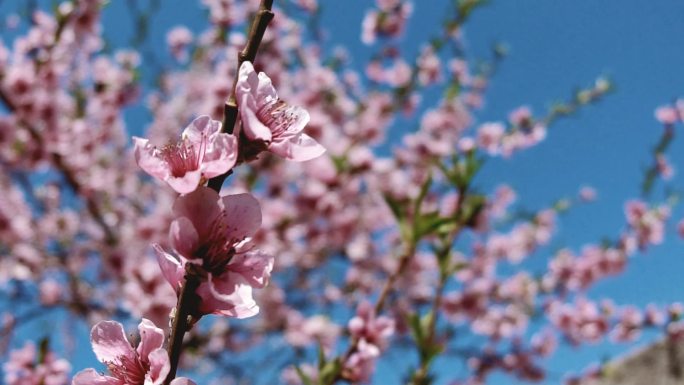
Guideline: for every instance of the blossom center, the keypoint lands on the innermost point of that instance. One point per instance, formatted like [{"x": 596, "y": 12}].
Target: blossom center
[
  {"x": 217, "y": 249},
  {"x": 183, "y": 157},
  {"x": 278, "y": 116},
  {"x": 129, "y": 369}
]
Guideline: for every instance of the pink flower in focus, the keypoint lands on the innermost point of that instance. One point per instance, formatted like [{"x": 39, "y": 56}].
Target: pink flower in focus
[
  {"x": 202, "y": 153},
  {"x": 268, "y": 119},
  {"x": 146, "y": 365},
  {"x": 211, "y": 233}
]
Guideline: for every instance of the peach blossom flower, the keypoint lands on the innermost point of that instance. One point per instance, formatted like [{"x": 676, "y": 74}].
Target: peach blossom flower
[
  {"x": 271, "y": 121},
  {"x": 212, "y": 234},
  {"x": 202, "y": 153}
]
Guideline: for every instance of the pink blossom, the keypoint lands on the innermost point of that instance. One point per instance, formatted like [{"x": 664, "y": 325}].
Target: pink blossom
[
  {"x": 211, "y": 233},
  {"x": 271, "y": 121},
  {"x": 664, "y": 167},
  {"x": 489, "y": 137},
  {"x": 360, "y": 365},
  {"x": 521, "y": 116},
  {"x": 647, "y": 223},
  {"x": 667, "y": 115},
  {"x": 202, "y": 153},
  {"x": 587, "y": 194},
  {"x": 178, "y": 40},
  {"x": 366, "y": 325},
  {"x": 148, "y": 364},
  {"x": 302, "y": 331},
  {"x": 25, "y": 368}
]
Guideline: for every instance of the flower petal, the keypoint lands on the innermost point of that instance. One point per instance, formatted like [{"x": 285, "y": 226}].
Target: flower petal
[
  {"x": 151, "y": 338},
  {"x": 92, "y": 377},
  {"x": 259, "y": 86},
  {"x": 171, "y": 267},
  {"x": 147, "y": 159},
  {"x": 182, "y": 381},
  {"x": 184, "y": 237},
  {"x": 201, "y": 128},
  {"x": 227, "y": 295},
  {"x": 220, "y": 156},
  {"x": 186, "y": 183},
  {"x": 242, "y": 215},
  {"x": 200, "y": 207},
  {"x": 110, "y": 343},
  {"x": 299, "y": 148},
  {"x": 254, "y": 266},
  {"x": 159, "y": 367},
  {"x": 253, "y": 128}
]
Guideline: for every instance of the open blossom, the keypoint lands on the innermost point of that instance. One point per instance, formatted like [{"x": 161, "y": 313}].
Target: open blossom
[
  {"x": 372, "y": 333},
  {"x": 212, "y": 234},
  {"x": 271, "y": 121},
  {"x": 203, "y": 152},
  {"x": 148, "y": 364}
]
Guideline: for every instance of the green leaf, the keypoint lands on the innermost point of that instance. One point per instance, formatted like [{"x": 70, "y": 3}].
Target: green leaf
[
  {"x": 329, "y": 372},
  {"x": 302, "y": 376}
]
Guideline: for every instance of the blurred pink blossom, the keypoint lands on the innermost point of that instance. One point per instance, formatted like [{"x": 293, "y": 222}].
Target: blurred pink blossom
[{"x": 23, "y": 368}]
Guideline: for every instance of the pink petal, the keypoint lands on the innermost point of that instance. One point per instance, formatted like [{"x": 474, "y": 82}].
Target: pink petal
[
  {"x": 299, "y": 148},
  {"x": 159, "y": 366},
  {"x": 184, "y": 237},
  {"x": 227, "y": 295},
  {"x": 254, "y": 266},
  {"x": 110, "y": 343},
  {"x": 252, "y": 126},
  {"x": 171, "y": 267},
  {"x": 265, "y": 91},
  {"x": 299, "y": 117},
  {"x": 147, "y": 160},
  {"x": 92, "y": 377},
  {"x": 185, "y": 184},
  {"x": 220, "y": 156},
  {"x": 242, "y": 215},
  {"x": 182, "y": 381},
  {"x": 200, "y": 128},
  {"x": 200, "y": 207},
  {"x": 259, "y": 86},
  {"x": 151, "y": 338}
]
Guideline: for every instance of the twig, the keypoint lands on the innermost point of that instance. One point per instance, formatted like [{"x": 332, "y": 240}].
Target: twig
[{"x": 185, "y": 310}]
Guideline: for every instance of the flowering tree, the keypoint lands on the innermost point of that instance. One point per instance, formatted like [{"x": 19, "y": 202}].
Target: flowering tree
[{"x": 296, "y": 223}]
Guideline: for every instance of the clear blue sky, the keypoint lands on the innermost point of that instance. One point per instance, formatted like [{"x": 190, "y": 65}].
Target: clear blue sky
[{"x": 555, "y": 47}]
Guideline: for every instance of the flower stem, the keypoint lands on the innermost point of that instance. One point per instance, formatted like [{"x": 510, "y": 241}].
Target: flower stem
[
  {"x": 186, "y": 308},
  {"x": 230, "y": 110}
]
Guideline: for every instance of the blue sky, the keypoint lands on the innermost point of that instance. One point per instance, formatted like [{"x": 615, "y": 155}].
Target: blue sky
[{"x": 555, "y": 46}]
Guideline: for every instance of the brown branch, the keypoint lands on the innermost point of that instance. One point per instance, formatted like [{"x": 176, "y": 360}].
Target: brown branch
[{"x": 185, "y": 311}]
